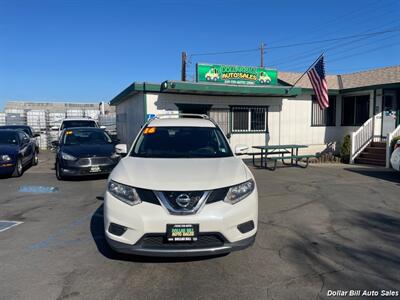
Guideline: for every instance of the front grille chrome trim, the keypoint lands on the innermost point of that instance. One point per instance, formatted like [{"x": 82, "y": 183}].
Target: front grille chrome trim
[{"x": 166, "y": 204}]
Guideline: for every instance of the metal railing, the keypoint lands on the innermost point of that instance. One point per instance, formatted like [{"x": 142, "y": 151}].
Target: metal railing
[
  {"x": 389, "y": 139},
  {"x": 361, "y": 138}
]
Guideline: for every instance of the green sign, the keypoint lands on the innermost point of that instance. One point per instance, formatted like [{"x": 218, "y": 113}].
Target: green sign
[{"x": 236, "y": 75}]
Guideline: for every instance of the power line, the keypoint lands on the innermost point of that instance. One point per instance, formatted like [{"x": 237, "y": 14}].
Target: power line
[
  {"x": 352, "y": 15},
  {"x": 225, "y": 52},
  {"x": 336, "y": 49},
  {"x": 314, "y": 51},
  {"x": 331, "y": 40},
  {"x": 296, "y": 44}
]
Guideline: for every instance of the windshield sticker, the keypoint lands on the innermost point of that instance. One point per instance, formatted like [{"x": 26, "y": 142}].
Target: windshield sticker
[{"x": 149, "y": 130}]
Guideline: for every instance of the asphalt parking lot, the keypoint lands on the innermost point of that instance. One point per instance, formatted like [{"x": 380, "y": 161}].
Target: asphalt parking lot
[{"x": 327, "y": 227}]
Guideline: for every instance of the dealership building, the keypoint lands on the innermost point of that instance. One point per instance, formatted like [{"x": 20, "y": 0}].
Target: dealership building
[{"x": 256, "y": 106}]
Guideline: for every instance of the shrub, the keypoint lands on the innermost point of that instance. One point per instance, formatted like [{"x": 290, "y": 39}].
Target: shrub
[{"x": 345, "y": 149}]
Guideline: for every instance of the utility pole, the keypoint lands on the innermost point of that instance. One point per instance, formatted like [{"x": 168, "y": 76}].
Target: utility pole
[
  {"x": 183, "y": 70},
  {"x": 262, "y": 55}
]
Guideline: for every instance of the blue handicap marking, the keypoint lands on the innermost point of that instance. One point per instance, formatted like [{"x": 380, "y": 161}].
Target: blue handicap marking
[
  {"x": 37, "y": 189},
  {"x": 4, "y": 225},
  {"x": 150, "y": 116}
]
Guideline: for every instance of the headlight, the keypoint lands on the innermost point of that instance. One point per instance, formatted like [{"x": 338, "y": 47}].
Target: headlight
[
  {"x": 238, "y": 192},
  {"x": 124, "y": 193},
  {"x": 67, "y": 156},
  {"x": 5, "y": 157}
]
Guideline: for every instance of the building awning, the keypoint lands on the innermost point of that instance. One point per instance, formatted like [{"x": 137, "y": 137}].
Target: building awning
[{"x": 186, "y": 87}]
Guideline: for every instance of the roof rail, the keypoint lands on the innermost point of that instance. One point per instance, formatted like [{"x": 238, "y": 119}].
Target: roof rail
[{"x": 179, "y": 115}]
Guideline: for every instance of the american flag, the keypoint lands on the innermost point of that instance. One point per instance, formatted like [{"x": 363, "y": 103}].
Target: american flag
[{"x": 318, "y": 82}]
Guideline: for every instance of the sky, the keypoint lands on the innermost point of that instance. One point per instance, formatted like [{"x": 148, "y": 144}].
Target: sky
[{"x": 89, "y": 51}]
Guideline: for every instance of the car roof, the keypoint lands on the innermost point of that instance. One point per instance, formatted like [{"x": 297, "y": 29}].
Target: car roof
[
  {"x": 13, "y": 126},
  {"x": 181, "y": 122},
  {"x": 10, "y": 130}
]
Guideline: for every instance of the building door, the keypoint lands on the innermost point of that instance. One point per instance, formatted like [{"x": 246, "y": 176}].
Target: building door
[
  {"x": 389, "y": 115},
  {"x": 221, "y": 116}
]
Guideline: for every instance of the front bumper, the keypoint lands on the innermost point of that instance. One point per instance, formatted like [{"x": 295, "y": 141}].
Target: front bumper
[
  {"x": 86, "y": 171},
  {"x": 7, "y": 168},
  {"x": 87, "y": 166},
  {"x": 176, "y": 250},
  {"x": 145, "y": 227}
]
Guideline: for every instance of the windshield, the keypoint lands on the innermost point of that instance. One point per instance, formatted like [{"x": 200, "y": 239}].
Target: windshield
[
  {"x": 86, "y": 137},
  {"x": 78, "y": 123},
  {"x": 8, "y": 138},
  {"x": 181, "y": 142}
]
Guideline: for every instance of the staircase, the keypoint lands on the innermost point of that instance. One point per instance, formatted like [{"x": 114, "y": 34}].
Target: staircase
[{"x": 373, "y": 154}]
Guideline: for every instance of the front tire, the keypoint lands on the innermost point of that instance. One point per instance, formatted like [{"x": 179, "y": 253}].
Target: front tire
[
  {"x": 59, "y": 173},
  {"x": 18, "y": 168}
]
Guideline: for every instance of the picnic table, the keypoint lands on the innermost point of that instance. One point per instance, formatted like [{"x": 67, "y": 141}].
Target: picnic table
[{"x": 280, "y": 152}]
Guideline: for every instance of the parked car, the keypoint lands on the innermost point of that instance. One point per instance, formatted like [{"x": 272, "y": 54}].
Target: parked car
[
  {"x": 77, "y": 122},
  {"x": 84, "y": 151},
  {"x": 180, "y": 191},
  {"x": 395, "y": 158},
  {"x": 27, "y": 129},
  {"x": 16, "y": 152}
]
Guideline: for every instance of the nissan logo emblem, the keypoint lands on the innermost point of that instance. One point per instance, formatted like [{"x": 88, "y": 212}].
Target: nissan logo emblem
[{"x": 183, "y": 200}]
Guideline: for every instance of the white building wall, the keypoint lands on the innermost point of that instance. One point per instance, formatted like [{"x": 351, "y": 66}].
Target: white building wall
[{"x": 289, "y": 120}]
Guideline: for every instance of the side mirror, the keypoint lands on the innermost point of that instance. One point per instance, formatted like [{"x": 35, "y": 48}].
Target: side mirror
[
  {"x": 121, "y": 149},
  {"x": 54, "y": 128},
  {"x": 55, "y": 143},
  {"x": 241, "y": 149},
  {"x": 36, "y": 135},
  {"x": 228, "y": 136}
]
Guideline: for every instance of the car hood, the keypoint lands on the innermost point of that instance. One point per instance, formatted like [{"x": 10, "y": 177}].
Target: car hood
[
  {"x": 88, "y": 150},
  {"x": 180, "y": 174},
  {"x": 8, "y": 149}
]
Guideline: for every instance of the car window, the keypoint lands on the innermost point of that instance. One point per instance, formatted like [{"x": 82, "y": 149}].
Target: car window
[
  {"x": 23, "y": 136},
  {"x": 181, "y": 142},
  {"x": 8, "y": 137},
  {"x": 78, "y": 123},
  {"x": 85, "y": 137}
]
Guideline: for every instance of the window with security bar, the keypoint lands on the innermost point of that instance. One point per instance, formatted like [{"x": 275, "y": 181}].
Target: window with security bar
[
  {"x": 249, "y": 118},
  {"x": 323, "y": 117}
]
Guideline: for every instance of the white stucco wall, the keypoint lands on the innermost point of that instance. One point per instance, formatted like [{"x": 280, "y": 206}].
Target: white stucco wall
[{"x": 289, "y": 120}]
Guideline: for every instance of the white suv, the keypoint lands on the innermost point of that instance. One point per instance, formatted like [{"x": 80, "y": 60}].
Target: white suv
[{"x": 180, "y": 191}]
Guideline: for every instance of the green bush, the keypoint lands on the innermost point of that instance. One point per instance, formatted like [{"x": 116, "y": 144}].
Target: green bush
[
  {"x": 345, "y": 149},
  {"x": 393, "y": 142}
]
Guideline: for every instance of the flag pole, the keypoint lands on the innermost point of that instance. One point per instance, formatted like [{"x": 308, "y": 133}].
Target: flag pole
[{"x": 288, "y": 90}]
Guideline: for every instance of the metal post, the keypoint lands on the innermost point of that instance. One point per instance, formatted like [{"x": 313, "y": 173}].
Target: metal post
[
  {"x": 262, "y": 55},
  {"x": 183, "y": 71}
]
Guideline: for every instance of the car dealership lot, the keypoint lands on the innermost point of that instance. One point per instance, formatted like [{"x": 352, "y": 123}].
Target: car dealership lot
[{"x": 328, "y": 227}]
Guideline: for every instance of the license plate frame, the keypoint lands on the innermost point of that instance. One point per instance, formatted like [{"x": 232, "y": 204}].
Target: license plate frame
[
  {"x": 182, "y": 232},
  {"x": 95, "y": 169}
]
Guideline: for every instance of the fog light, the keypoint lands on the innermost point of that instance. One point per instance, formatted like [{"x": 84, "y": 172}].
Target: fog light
[
  {"x": 246, "y": 227},
  {"x": 116, "y": 229}
]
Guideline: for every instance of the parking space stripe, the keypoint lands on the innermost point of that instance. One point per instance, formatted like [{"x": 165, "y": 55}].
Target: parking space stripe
[{"x": 5, "y": 225}]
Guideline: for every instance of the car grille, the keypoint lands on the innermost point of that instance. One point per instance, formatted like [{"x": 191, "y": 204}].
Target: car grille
[
  {"x": 194, "y": 197},
  {"x": 159, "y": 241},
  {"x": 90, "y": 161},
  {"x": 189, "y": 202}
]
